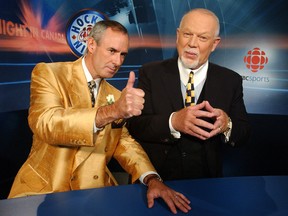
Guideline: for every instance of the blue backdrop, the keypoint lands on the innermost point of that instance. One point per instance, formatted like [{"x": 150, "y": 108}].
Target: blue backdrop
[{"x": 254, "y": 42}]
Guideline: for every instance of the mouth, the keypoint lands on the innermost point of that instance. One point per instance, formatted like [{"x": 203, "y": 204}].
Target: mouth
[
  {"x": 112, "y": 70},
  {"x": 191, "y": 54}
]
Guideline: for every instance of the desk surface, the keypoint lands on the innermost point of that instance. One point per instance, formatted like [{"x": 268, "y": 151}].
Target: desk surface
[{"x": 234, "y": 196}]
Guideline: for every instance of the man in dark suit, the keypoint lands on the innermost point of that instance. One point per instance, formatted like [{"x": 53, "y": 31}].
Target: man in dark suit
[{"x": 185, "y": 141}]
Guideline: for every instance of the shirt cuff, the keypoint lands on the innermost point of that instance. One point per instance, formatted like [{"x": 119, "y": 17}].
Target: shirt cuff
[
  {"x": 174, "y": 133},
  {"x": 141, "y": 179},
  {"x": 95, "y": 129}
]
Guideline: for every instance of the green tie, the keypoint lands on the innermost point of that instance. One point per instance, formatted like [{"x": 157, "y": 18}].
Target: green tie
[{"x": 190, "y": 93}]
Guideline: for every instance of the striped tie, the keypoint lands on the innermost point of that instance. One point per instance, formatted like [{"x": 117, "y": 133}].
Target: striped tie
[
  {"x": 92, "y": 86},
  {"x": 190, "y": 93}
]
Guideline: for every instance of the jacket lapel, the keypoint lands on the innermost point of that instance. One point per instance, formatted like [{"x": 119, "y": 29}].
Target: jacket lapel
[
  {"x": 102, "y": 94},
  {"x": 210, "y": 86},
  {"x": 80, "y": 98},
  {"x": 172, "y": 84},
  {"x": 79, "y": 92}
]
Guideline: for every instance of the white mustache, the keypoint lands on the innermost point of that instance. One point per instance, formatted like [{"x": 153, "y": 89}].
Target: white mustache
[{"x": 194, "y": 52}]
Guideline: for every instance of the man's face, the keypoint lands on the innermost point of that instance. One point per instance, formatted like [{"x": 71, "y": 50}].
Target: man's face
[
  {"x": 196, "y": 39},
  {"x": 109, "y": 54}
]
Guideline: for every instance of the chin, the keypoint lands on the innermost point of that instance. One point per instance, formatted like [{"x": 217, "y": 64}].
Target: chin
[
  {"x": 110, "y": 75},
  {"x": 191, "y": 64}
]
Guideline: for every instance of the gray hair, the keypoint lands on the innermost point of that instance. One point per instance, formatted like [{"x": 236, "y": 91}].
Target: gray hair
[
  {"x": 207, "y": 12},
  {"x": 100, "y": 27}
]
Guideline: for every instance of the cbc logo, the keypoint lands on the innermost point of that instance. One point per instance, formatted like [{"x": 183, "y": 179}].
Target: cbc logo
[
  {"x": 79, "y": 27},
  {"x": 255, "y": 60}
]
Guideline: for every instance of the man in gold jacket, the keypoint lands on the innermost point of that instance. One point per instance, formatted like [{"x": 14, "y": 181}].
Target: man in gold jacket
[{"x": 73, "y": 141}]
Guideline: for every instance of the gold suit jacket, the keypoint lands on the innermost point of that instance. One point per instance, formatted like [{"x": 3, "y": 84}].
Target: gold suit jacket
[{"x": 66, "y": 154}]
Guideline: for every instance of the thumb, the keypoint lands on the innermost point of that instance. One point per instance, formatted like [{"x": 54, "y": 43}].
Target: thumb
[
  {"x": 150, "y": 201},
  {"x": 131, "y": 80}
]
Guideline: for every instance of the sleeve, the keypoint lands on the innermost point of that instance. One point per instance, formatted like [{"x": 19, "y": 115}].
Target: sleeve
[
  {"x": 132, "y": 157},
  {"x": 51, "y": 115},
  {"x": 240, "y": 132}
]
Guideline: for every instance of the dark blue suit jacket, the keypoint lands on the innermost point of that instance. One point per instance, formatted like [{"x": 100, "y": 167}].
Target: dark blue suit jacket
[{"x": 187, "y": 157}]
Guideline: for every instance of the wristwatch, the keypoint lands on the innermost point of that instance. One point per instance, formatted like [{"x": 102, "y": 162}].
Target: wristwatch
[
  {"x": 229, "y": 126},
  {"x": 153, "y": 176}
]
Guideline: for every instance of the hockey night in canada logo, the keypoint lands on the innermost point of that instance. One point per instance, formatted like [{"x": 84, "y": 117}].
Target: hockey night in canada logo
[{"x": 79, "y": 27}]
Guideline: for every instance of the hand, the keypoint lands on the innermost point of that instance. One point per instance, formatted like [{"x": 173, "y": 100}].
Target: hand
[
  {"x": 131, "y": 101},
  {"x": 172, "y": 198},
  {"x": 222, "y": 119},
  {"x": 188, "y": 120}
]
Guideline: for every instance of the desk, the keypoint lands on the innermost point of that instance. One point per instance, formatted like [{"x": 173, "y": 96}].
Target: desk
[{"x": 267, "y": 195}]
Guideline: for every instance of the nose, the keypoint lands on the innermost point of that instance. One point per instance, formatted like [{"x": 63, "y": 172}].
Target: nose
[
  {"x": 193, "y": 41},
  {"x": 117, "y": 60}
]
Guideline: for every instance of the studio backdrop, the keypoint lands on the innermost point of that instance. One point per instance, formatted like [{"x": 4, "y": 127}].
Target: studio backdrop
[{"x": 254, "y": 42}]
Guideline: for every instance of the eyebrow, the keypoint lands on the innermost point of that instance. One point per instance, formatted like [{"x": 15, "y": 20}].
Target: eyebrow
[{"x": 116, "y": 50}]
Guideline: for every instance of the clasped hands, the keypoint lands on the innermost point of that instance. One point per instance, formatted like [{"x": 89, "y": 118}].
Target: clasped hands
[{"x": 190, "y": 120}]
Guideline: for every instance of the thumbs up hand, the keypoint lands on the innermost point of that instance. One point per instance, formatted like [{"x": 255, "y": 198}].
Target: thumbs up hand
[{"x": 131, "y": 101}]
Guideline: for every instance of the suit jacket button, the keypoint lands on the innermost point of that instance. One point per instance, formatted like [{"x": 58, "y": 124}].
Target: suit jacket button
[
  {"x": 95, "y": 177},
  {"x": 184, "y": 154}
]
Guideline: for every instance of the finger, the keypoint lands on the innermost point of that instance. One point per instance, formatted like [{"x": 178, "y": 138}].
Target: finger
[
  {"x": 170, "y": 203},
  {"x": 150, "y": 201},
  {"x": 182, "y": 204},
  {"x": 211, "y": 109},
  {"x": 208, "y": 106},
  {"x": 197, "y": 106},
  {"x": 131, "y": 80},
  {"x": 202, "y": 113},
  {"x": 202, "y": 124},
  {"x": 199, "y": 133},
  {"x": 199, "y": 136},
  {"x": 214, "y": 132},
  {"x": 186, "y": 200}
]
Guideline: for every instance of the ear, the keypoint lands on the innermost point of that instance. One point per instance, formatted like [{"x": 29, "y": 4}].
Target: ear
[
  {"x": 177, "y": 35},
  {"x": 215, "y": 43},
  {"x": 91, "y": 45}
]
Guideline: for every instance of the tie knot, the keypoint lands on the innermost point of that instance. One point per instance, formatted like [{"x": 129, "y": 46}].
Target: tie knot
[
  {"x": 191, "y": 74},
  {"x": 92, "y": 84}
]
